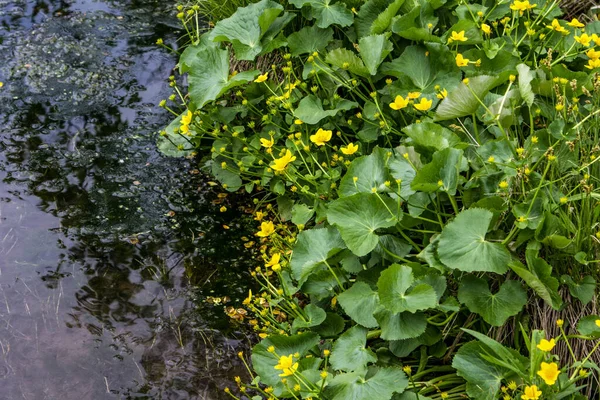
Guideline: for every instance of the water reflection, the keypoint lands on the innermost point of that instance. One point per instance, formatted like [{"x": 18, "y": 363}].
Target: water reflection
[{"x": 100, "y": 235}]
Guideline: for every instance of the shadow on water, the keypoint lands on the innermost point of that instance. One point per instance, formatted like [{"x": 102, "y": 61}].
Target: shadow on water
[{"x": 100, "y": 236}]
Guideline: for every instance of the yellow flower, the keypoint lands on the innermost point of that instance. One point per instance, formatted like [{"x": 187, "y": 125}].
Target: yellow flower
[
  {"x": 549, "y": 372},
  {"x": 321, "y": 137},
  {"x": 593, "y": 54},
  {"x": 414, "y": 95},
  {"x": 575, "y": 23},
  {"x": 350, "y": 149},
  {"x": 485, "y": 28},
  {"x": 556, "y": 26},
  {"x": 531, "y": 393},
  {"x": 266, "y": 228},
  {"x": 503, "y": 185},
  {"x": 457, "y": 37},
  {"x": 287, "y": 365},
  {"x": 461, "y": 61},
  {"x": 268, "y": 143},
  {"x": 274, "y": 262},
  {"x": 597, "y": 323},
  {"x": 248, "y": 299},
  {"x": 280, "y": 164},
  {"x": 560, "y": 322},
  {"x": 399, "y": 103},
  {"x": 584, "y": 39},
  {"x": 298, "y": 122},
  {"x": 442, "y": 94},
  {"x": 1, "y": 84},
  {"x": 512, "y": 385},
  {"x": 262, "y": 78},
  {"x": 546, "y": 345},
  {"x": 521, "y": 6},
  {"x": 424, "y": 105},
  {"x": 593, "y": 64},
  {"x": 187, "y": 118}
]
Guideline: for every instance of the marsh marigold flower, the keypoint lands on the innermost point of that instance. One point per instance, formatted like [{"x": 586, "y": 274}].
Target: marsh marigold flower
[
  {"x": 461, "y": 61},
  {"x": 485, "y": 28},
  {"x": 424, "y": 104},
  {"x": 546, "y": 345},
  {"x": 522, "y": 6},
  {"x": 584, "y": 39},
  {"x": 287, "y": 365},
  {"x": 266, "y": 228},
  {"x": 268, "y": 143},
  {"x": 399, "y": 103},
  {"x": 414, "y": 95},
  {"x": 262, "y": 78},
  {"x": 457, "y": 37},
  {"x": 593, "y": 54},
  {"x": 350, "y": 149},
  {"x": 321, "y": 137},
  {"x": 442, "y": 94},
  {"x": 597, "y": 323},
  {"x": 549, "y": 373},
  {"x": 575, "y": 23},
  {"x": 273, "y": 263},
  {"x": 280, "y": 164},
  {"x": 556, "y": 26},
  {"x": 531, "y": 393},
  {"x": 593, "y": 64}
]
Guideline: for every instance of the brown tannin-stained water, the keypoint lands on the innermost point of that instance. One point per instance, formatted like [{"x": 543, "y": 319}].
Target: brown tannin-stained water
[{"x": 108, "y": 250}]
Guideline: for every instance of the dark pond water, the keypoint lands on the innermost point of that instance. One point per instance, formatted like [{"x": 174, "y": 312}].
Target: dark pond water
[{"x": 108, "y": 251}]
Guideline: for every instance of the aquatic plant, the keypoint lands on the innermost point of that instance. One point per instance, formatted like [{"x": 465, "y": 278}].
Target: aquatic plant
[{"x": 433, "y": 166}]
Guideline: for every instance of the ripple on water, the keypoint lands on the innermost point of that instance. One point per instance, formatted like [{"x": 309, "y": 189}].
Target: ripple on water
[{"x": 95, "y": 295}]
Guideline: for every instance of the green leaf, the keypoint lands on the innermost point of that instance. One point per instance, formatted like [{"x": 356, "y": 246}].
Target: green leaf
[
  {"x": 373, "y": 50},
  {"x": 367, "y": 14},
  {"x": 359, "y": 216},
  {"x": 587, "y": 326},
  {"x": 442, "y": 173},
  {"x": 309, "y": 39},
  {"x": 370, "y": 172},
  {"x": 251, "y": 28},
  {"x": 322, "y": 284},
  {"x": 314, "y": 317},
  {"x": 583, "y": 290},
  {"x": 494, "y": 308},
  {"x": 379, "y": 384},
  {"x": 360, "y": 302},
  {"x": 428, "y": 137},
  {"x": 540, "y": 280},
  {"x": 326, "y": 13},
  {"x": 264, "y": 362},
  {"x": 384, "y": 19},
  {"x": 483, "y": 378},
  {"x": 347, "y": 59},
  {"x": 209, "y": 75},
  {"x": 174, "y": 144},
  {"x": 525, "y": 78},
  {"x": 310, "y": 109},
  {"x": 331, "y": 327},
  {"x": 349, "y": 352},
  {"x": 397, "y": 293},
  {"x": 463, "y": 100},
  {"x": 462, "y": 244},
  {"x": 313, "y": 248},
  {"x": 400, "y": 326},
  {"x": 301, "y": 213},
  {"x": 500, "y": 355},
  {"x": 226, "y": 177}
]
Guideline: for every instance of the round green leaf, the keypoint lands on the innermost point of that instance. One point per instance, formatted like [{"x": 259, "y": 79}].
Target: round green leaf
[
  {"x": 349, "y": 352},
  {"x": 494, "y": 308},
  {"x": 326, "y": 13},
  {"x": 314, "y": 316},
  {"x": 373, "y": 50},
  {"x": 264, "y": 362},
  {"x": 397, "y": 293},
  {"x": 401, "y": 325},
  {"x": 359, "y": 216},
  {"x": 587, "y": 326},
  {"x": 462, "y": 244},
  {"x": 380, "y": 385},
  {"x": 360, "y": 302},
  {"x": 370, "y": 172},
  {"x": 464, "y": 100},
  {"x": 313, "y": 248},
  {"x": 309, "y": 39}
]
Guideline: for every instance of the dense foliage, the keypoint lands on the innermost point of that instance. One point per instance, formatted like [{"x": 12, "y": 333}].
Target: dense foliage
[{"x": 434, "y": 169}]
